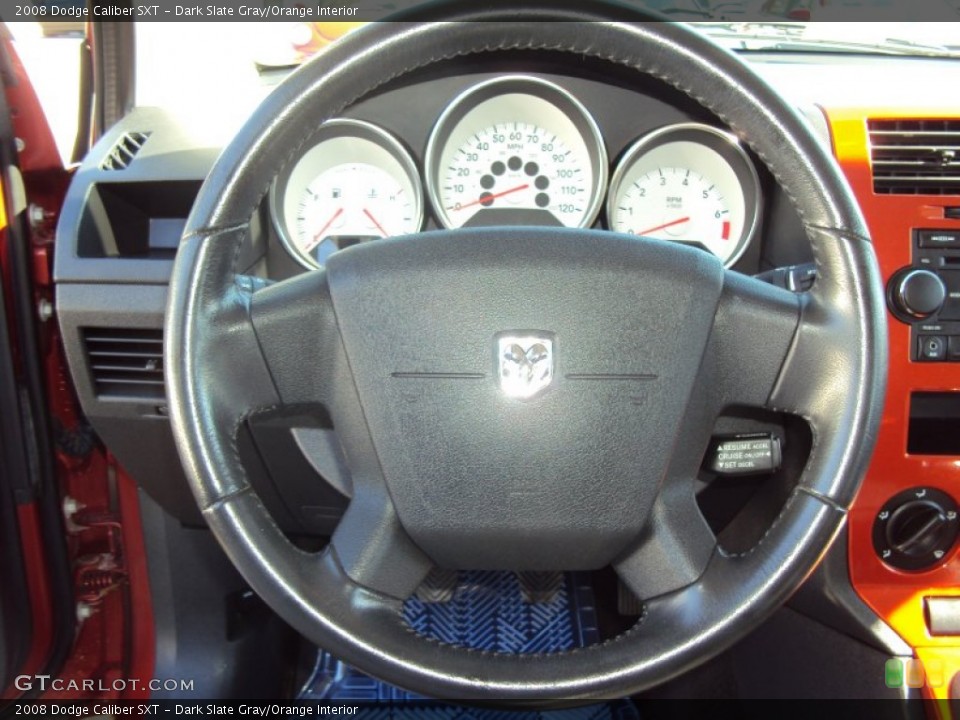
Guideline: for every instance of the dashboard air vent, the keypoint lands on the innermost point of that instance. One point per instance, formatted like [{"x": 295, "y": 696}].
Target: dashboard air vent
[
  {"x": 915, "y": 157},
  {"x": 125, "y": 362},
  {"x": 124, "y": 151}
]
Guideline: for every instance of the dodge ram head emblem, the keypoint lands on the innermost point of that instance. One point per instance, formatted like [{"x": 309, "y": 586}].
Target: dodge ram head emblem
[{"x": 526, "y": 364}]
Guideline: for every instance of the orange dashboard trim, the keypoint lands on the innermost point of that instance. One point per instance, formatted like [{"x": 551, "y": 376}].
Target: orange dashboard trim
[{"x": 897, "y": 597}]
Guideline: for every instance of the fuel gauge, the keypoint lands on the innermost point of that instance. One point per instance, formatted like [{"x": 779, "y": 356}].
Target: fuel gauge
[{"x": 356, "y": 183}]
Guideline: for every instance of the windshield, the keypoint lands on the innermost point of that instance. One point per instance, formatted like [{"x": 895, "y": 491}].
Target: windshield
[
  {"x": 931, "y": 39},
  {"x": 195, "y": 68},
  {"x": 212, "y": 74},
  {"x": 775, "y": 27}
]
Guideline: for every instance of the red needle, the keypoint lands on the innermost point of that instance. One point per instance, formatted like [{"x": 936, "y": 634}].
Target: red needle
[
  {"x": 494, "y": 196},
  {"x": 664, "y": 226},
  {"x": 374, "y": 221},
  {"x": 320, "y": 235}
]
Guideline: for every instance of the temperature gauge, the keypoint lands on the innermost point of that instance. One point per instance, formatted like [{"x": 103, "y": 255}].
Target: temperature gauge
[{"x": 356, "y": 183}]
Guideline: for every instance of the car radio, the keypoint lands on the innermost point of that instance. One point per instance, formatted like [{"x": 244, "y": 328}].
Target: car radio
[{"x": 926, "y": 295}]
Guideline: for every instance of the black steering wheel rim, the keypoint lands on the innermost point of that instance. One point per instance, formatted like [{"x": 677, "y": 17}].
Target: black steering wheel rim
[{"x": 831, "y": 371}]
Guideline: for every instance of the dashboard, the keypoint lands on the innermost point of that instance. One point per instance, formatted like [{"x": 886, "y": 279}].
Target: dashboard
[{"x": 529, "y": 139}]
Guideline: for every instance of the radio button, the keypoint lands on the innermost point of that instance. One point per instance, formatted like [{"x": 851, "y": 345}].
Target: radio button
[{"x": 949, "y": 239}]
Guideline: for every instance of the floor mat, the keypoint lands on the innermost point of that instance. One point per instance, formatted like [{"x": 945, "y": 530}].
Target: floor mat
[{"x": 496, "y": 611}]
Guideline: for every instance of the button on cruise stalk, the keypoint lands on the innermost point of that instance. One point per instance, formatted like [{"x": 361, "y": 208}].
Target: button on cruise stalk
[{"x": 751, "y": 454}]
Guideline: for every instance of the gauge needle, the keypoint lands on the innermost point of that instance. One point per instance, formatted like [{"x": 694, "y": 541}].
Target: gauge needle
[
  {"x": 322, "y": 234},
  {"x": 494, "y": 196},
  {"x": 374, "y": 221},
  {"x": 664, "y": 226}
]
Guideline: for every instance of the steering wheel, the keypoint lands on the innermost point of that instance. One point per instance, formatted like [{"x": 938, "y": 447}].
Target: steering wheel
[{"x": 646, "y": 343}]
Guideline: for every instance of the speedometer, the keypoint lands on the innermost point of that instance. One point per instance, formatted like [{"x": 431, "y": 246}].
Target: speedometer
[
  {"x": 516, "y": 151},
  {"x": 687, "y": 183}
]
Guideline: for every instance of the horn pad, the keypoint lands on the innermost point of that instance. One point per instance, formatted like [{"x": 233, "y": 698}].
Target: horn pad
[{"x": 524, "y": 387}]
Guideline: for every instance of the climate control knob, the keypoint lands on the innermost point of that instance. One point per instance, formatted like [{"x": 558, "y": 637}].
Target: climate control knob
[
  {"x": 917, "y": 293},
  {"x": 916, "y": 529}
]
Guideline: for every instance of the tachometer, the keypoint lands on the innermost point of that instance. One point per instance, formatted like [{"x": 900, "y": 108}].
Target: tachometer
[
  {"x": 687, "y": 183},
  {"x": 356, "y": 183},
  {"x": 516, "y": 151}
]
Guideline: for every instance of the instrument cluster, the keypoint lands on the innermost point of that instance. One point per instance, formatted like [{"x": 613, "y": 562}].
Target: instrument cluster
[{"x": 517, "y": 150}]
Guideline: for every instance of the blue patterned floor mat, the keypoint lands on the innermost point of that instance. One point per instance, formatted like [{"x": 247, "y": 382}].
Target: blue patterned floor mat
[{"x": 496, "y": 611}]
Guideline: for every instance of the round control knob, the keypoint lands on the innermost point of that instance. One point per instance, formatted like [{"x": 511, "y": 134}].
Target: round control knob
[
  {"x": 918, "y": 293},
  {"x": 916, "y": 529}
]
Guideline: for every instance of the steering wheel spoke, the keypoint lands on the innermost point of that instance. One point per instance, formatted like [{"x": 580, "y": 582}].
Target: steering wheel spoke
[
  {"x": 295, "y": 323},
  {"x": 754, "y": 329},
  {"x": 372, "y": 547},
  {"x": 749, "y": 576},
  {"x": 297, "y": 332},
  {"x": 675, "y": 547}
]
